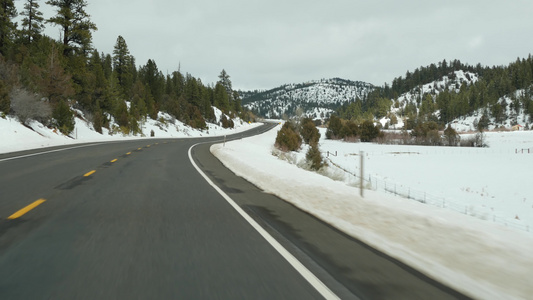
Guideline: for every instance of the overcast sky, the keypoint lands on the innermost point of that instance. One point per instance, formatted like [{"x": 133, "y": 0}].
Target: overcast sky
[{"x": 264, "y": 44}]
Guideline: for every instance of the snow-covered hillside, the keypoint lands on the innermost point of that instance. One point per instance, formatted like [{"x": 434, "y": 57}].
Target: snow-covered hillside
[
  {"x": 465, "y": 245},
  {"x": 318, "y": 99},
  {"x": 16, "y": 137},
  {"x": 453, "y": 83}
]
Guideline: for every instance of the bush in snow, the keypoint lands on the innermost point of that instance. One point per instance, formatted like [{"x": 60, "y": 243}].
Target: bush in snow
[
  {"x": 368, "y": 131},
  {"x": 288, "y": 139},
  {"x": 452, "y": 138},
  {"x": 314, "y": 157},
  {"x": 226, "y": 123},
  {"x": 309, "y": 132}
]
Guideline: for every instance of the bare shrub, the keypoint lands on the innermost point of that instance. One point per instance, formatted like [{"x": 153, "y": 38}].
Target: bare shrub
[{"x": 28, "y": 106}]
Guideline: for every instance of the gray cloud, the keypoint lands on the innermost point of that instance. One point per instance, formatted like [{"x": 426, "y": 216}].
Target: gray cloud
[{"x": 263, "y": 44}]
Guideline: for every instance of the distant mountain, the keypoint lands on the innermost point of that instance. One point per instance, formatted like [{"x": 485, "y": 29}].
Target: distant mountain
[{"x": 317, "y": 99}]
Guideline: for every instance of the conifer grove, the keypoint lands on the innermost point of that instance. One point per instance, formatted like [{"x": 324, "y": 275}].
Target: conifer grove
[{"x": 55, "y": 75}]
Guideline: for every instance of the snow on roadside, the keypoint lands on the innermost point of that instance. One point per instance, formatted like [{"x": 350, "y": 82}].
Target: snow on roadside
[
  {"x": 479, "y": 258},
  {"x": 16, "y": 137}
]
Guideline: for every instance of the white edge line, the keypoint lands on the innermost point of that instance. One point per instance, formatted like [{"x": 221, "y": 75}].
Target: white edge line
[
  {"x": 293, "y": 261},
  {"x": 46, "y": 152}
]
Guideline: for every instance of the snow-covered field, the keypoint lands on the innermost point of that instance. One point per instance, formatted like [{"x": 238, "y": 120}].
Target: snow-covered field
[
  {"x": 16, "y": 137},
  {"x": 467, "y": 249},
  {"x": 488, "y": 183},
  {"x": 471, "y": 250}
]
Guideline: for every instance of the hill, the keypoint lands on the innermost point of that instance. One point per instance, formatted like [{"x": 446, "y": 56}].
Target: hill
[
  {"x": 445, "y": 93},
  {"x": 317, "y": 99}
]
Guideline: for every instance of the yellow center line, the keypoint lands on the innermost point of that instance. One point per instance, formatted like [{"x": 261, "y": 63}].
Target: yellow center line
[
  {"x": 128, "y": 153},
  {"x": 148, "y": 146},
  {"x": 139, "y": 148},
  {"x": 114, "y": 160},
  {"x": 89, "y": 173},
  {"x": 26, "y": 209}
]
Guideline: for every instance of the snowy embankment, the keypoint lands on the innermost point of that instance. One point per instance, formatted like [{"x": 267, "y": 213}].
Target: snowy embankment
[
  {"x": 480, "y": 258},
  {"x": 16, "y": 137}
]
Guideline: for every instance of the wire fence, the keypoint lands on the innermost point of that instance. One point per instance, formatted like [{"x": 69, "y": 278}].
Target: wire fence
[{"x": 377, "y": 184}]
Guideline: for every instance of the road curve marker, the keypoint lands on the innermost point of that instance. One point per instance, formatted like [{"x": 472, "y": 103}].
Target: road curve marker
[{"x": 26, "y": 209}]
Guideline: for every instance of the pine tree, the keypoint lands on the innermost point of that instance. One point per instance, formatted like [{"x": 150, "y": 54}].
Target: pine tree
[
  {"x": 314, "y": 157},
  {"x": 64, "y": 117},
  {"x": 221, "y": 98},
  {"x": 8, "y": 12},
  {"x": 98, "y": 120},
  {"x": 224, "y": 79},
  {"x": 5, "y": 102},
  {"x": 32, "y": 24},
  {"x": 123, "y": 65},
  {"x": 154, "y": 81},
  {"x": 75, "y": 23},
  {"x": 97, "y": 74},
  {"x": 55, "y": 83}
]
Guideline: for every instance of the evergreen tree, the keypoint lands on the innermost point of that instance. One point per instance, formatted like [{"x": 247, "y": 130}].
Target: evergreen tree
[
  {"x": 107, "y": 65},
  {"x": 138, "y": 99},
  {"x": 221, "y": 98},
  {"x": 55, "y": 83},
  {"x": 224, "y": 79},
  {"x": 309, "y": 132},
  {"x": 98, "y": 120},
  {"x": 288, "y": 138},
  {"x": 314, "y": 157},
  {"x": 98, "y": 77},
  {"x": 32, "y": 23},
  {"x": 483, "y": 122},
  {"x": 5, "y": 102},
  {"x": 122, "y": 115},
  {"x": 368, "y": 131},
  {"x": 334, "y": 127},
  {"x": 8, "y": 12},
  {"x": 75, "y": 24},
  {"x": 123, "y": 65},
  {"x": 64, "y": 117},
  {"x": 452, "y": 138},
  {"x": 237, "y": 102},
  {"x": 154, "y": 81}
]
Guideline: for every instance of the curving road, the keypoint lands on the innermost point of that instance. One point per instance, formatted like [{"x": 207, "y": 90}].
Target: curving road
[{"x": 136, "y": 220}]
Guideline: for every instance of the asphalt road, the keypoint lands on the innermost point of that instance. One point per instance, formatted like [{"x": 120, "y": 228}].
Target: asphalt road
[{"x": 135, "y": 220}]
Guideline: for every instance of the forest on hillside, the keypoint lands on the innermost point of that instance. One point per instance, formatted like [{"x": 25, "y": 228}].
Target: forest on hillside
[
  {"x": 451, "y": 102},
  {"x": 43, "y": 79}
]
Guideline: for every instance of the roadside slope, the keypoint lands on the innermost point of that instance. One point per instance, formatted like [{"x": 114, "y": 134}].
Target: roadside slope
[{"x": 480, "y": 259}]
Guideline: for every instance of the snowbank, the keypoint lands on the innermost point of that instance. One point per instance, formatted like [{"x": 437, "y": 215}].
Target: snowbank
[
  {"x": 16, "y": 137},
  {"x": 479, "y": 258}
]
